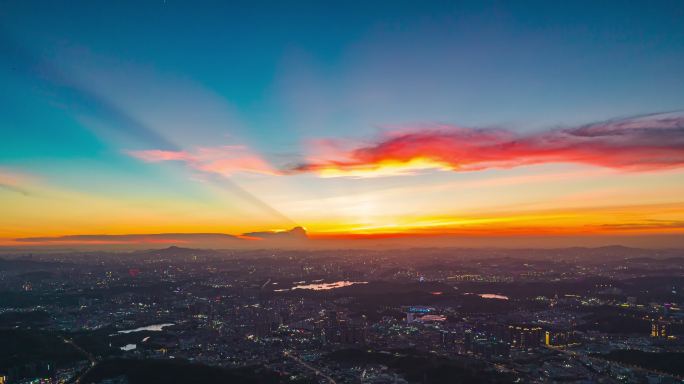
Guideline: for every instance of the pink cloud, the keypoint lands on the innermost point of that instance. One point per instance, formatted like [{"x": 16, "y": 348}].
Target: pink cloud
[
  {"x": 157, "y": 155},
  {"x": 225, "y": 160}
]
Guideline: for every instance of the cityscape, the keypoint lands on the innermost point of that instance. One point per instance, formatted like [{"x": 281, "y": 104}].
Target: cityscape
[
  {"x": 341, "y": 192},
  {"x": 604, "y": 315}
]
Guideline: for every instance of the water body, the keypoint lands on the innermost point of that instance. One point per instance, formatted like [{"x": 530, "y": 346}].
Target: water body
[
  {"x": 322, "y": 286},
  {"x": 493, "y": 296},
  {"x": 154, "y": 328},
  {"x": 327, "y": 286}
]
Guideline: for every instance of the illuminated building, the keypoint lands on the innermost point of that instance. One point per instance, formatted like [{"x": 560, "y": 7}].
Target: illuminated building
[
  {"x": 416, "y": 312},
  {"x": 468, "y": 340},
  {"x": 524, "y": 337},
  {"x": 660, "y": 328}
]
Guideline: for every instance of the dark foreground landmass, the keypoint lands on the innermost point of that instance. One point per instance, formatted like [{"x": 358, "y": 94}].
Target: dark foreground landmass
[
  {"x": 176, "y": 371},
  {"x": 420, "y": 367}
]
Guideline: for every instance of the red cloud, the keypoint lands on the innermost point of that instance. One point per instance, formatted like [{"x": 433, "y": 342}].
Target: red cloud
[
  {"x": 645, "y": 143},
  {"x": 225, "y": 160}
]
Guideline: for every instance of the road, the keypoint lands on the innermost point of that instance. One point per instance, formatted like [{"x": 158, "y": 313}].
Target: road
[
  {"x": 309, "y": 367},
  {"x": 91, "y": 358}
]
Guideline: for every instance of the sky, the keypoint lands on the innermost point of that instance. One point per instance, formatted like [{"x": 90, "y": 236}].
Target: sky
[{"x": 351, "y": 119}]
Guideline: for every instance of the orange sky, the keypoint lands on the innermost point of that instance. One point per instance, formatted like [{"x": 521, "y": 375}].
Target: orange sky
[
  {"x": 548, "y": 200},
  {"x": 432, "y": 122}
]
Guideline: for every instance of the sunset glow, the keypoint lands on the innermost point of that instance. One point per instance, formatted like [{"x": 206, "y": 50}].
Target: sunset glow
[{"x": 369, "y": 132}]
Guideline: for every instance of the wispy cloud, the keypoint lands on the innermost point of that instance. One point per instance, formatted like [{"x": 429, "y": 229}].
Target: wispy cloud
[
  {"x": 294, "y": 234},
  {"x": 224, "y": 160},
  {"x": 645, "y": 225},
  {"x": 109, "y": 114},
  {"x": 14, "y": 182},
  {"x": 128, "y": 238},
  {"x": 650, "y": 142}
]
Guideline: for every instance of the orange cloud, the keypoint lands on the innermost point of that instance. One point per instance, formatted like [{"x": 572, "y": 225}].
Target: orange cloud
[
  {"x": 649, "y": 142},
  {"x": 225, "y": 160}
]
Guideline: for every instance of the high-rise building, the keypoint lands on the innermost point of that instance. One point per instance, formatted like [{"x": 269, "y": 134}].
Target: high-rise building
[
  {"x": 660, "y": 328},
  {"x": 525, "y": 337},
  {"x": 468, "y": 340}
]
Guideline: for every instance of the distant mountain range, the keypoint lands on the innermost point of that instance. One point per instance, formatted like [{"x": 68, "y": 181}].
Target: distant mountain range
[{"x": 297, "y": 238}]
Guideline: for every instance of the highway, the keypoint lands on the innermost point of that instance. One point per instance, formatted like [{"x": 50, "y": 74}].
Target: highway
[
  {"x": 309, "y": 367},
  {"x": 89, "y": 355}
]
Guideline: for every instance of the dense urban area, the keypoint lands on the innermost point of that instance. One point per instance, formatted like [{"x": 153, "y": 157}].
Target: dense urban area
[{"x": 179, "y": 315}]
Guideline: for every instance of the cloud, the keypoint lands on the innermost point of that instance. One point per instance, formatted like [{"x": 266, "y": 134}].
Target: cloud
[
  {"x": 274, "y": 237},
  {"x": 13, "y": 188},
  {"x": 111, "y": 114},
  {"x": 296, "y": 233},
  {"x": 645, "y": 225},
  {"x": 224, "y": 160},
  {"x": 13, "y": 182},
  {"x": 649, "y": 142},
  {"x": 129, "y": 239}
]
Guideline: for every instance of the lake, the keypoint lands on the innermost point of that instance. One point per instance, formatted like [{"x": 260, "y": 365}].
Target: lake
[
  {"x": 154, "y": 328},
  {"x": 493, "y": 296}
]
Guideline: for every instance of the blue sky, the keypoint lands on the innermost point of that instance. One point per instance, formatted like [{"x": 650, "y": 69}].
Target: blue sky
[{"x": 334, "y": 69}]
